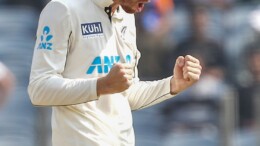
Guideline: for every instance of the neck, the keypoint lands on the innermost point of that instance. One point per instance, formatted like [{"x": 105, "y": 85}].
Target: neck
[{"x": 114, "y": 7}]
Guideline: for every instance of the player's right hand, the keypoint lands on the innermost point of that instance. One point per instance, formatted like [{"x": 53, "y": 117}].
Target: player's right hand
[{"x": 119, "y": 79}]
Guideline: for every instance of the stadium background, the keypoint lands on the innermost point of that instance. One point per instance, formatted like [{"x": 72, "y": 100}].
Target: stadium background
[{"x": 222, "y": 109}]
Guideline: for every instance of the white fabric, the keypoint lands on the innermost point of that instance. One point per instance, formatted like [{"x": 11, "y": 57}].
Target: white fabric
[{"x": 62, "y": 77}]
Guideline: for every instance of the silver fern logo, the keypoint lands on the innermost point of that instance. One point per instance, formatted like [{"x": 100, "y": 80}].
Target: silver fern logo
[{"x": 46, "y": 38}]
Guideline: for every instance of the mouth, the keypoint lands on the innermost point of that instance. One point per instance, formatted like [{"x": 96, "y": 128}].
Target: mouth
[{"x": 140, "y": 7}]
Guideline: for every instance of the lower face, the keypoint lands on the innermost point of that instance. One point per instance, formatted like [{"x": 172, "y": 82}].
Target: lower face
[{"x": 133, "y": 7}]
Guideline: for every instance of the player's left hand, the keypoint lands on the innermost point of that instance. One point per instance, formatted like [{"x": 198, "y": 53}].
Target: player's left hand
[{"x": 187, "y": 71}]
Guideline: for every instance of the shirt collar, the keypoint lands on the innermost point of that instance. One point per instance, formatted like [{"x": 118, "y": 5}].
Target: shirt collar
[
  {"x": 106, "y": 3},
  {"x": 119, "y": 13}
]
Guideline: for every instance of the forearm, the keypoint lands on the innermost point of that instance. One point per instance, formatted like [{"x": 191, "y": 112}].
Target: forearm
[
  {"x": 145, "y": 94},
  {"x": 58, "y": 91}
]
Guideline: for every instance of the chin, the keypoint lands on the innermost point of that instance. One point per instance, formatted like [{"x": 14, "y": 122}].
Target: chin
[{"x": 129, "y": 10}]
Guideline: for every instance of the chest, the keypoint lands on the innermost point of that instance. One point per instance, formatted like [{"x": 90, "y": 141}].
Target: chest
[{"x": 99, "y": 41}]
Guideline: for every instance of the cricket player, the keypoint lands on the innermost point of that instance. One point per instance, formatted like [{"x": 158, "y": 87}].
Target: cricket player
[{"x": 85, "y": 67}]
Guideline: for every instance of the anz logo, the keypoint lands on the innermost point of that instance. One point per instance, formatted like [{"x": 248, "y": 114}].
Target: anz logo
[
  {"x": 91, "y": 29},
  {"x": 105, "y": 67},
  {"x": 46, "y": 38}
]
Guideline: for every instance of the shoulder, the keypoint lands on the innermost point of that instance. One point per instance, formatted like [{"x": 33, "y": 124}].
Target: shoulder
[
  {"x": 55, "y": 6},
  {"x": 55, "y": 9},
  {"x": 70, "y": 6}
]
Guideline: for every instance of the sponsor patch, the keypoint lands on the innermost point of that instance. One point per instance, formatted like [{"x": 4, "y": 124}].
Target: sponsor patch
[{"x": 92, "y": 29}]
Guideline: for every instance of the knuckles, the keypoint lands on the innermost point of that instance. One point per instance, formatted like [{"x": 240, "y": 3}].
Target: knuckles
[
  {"x": 188, "y": 63},
  {"x": 119, "y": 66},
  {"x": 193, "y": 77},
  {"x": 192, "y": 59},
  {"x": 120, "y": 78},
  {"x": 187, "y": 57},
  {"x": 196, "y": 78},
  {"x": 124, "y": 79},
  {"x": 121, "y": 73}
]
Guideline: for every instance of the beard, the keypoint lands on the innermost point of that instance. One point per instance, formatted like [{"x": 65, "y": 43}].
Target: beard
[
  {"x": 128, "y": 9},
  {"x": 133, "y": 9}
]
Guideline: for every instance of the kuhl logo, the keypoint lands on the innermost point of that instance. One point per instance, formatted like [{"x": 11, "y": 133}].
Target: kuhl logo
[
  {"x": 91, "y": 28},
  {"x": 108, "y": 63},
  {"x": 46, "y": 37}
]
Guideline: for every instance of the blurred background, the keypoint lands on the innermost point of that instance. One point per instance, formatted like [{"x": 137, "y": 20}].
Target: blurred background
[{"x": 222, "y": 109}]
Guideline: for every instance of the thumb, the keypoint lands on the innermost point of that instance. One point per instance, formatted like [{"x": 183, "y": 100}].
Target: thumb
[{"x": 177, "y": 71}]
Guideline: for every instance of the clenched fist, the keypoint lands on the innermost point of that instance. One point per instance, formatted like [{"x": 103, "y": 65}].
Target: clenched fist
[
  {"x": 119, "y": 79},
  {"x": 187, "y": 71}
]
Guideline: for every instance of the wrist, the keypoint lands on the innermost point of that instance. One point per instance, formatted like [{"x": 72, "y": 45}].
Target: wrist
[
  {"x": 173, "y": 86},
  {"x": 102, "y": 86}
]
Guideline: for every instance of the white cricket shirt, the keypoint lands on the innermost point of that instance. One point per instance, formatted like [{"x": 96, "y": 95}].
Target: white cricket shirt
[{"x": 76, "y": 44}]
